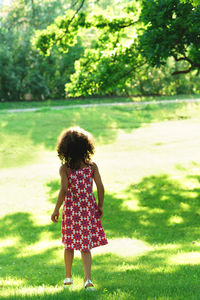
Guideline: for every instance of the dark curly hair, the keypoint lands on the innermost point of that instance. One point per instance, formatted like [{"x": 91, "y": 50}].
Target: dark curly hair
[{"x": 75, "y": 145}]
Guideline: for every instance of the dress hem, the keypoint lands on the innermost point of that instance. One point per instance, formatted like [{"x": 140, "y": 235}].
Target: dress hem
[{"x": 75, "y": 248}]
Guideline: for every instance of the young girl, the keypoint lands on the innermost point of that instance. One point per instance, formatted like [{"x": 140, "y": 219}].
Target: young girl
[{"x": 81, "y": 225}]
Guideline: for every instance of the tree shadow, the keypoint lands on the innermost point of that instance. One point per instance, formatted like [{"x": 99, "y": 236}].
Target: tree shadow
[
  {"x": 136, "y": 278},
  {"x": 164, "y": 212},
  {"x": 53, "y": 186},
  {"x": 169, "y": 211},
  {"x": 158, "y": 209},
  {"x": 44, "y": 126}
]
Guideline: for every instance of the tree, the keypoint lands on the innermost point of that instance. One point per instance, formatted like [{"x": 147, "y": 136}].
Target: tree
[
  {"x": 155, "y": 31},
  {"x": 172, "y": 28},
  {"x": 108, "y": 61},
  {"x": 194, "y": 2},
  {"x": 111, "y": 46},
  {"x": 23, "y": 71}
]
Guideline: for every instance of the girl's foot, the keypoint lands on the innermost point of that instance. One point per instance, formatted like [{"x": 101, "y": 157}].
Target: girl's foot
[
  {"x": 88, "y": 285},
  {"x": 68, "y": 282}
]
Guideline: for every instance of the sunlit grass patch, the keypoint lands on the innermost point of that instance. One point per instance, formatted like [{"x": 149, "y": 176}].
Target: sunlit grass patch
[
  {"x": 131, "y": 204},
  {"x": 44, "y": 244},
  {"x": 16, "y": 150},
  {"x": 27, "y": 292},
  {"x": 175, "y": 220},
  {"x": 185, "y": 206},
  {"x": 12, "y": 282},
  {"x": 124, "y": 247},
  {"x": 8, "y": 242},
  {"x": 189, "y": 258}
]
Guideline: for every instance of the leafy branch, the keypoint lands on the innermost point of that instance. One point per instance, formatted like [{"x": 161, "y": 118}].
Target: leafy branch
[
  {"x": 78, "y": 9},
  {"x": 192, "y": 65}
]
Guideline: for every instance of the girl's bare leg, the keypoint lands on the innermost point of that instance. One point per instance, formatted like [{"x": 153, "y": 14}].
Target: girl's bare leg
[
  {"x": 68, "y": 257},
  {"x": 87, "y": 262}
]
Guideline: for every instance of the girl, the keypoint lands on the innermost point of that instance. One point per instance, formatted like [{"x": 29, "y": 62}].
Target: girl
[{"x": 81, "y": 225}]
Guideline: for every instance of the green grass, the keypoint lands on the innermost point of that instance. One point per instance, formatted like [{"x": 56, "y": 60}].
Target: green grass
[
  {"x": 150, "y": 164},
  {"x": 68, "y": 102}
]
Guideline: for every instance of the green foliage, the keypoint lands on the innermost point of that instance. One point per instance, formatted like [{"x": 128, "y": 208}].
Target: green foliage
[
  {"x": 24, "y": 73},
  {"x": 62, "y": 33},
  {"x": 13, "y": 65},
  {"x": 159, "y": 81},
  {"x": 107, "y": 63},
  {"x": 102, "y": 72},
  {"x": 93, "y": 48},
  {"x": 118, "y": 60},
  {"x": 194, "y": 2},
  {"x": 19, "y": 72},
  {"x": 172, "y": 28}
]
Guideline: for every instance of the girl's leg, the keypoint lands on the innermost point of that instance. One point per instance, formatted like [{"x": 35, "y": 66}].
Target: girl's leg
[
  {"x": 68, "y": 257},
  {"x": 87, "y": 262}
]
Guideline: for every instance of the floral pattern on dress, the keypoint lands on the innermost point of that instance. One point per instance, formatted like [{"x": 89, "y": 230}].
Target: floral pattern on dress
[{"x": 81, "y": 225}]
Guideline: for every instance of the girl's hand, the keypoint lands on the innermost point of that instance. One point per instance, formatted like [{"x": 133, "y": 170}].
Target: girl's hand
[
  {"x": 55, "y": 216},
  {"x": 100, "y": 209}
]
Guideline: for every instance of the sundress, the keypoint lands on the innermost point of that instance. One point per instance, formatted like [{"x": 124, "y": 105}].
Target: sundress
[{"x": 81, "y": 225}]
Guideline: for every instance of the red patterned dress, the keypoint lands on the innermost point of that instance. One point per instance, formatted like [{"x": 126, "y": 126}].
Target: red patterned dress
[{"x": 81, "y": 225}]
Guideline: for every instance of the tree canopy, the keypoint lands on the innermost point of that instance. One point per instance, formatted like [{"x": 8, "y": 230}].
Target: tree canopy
[
  {"x": 172, "y": 30},
  {"x": 155, "y": 30},
  {"x": 194, "y": 2},
  {"x": 24, "y": 73},
  {"x": 92, "y": 47}
]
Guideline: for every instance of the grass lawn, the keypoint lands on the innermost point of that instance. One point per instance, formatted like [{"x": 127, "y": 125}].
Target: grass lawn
[
  {"x": 68, "y": 102},
  {"x": 150, "y": 164}
]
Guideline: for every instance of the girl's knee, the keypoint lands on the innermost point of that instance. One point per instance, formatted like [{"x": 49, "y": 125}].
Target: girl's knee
[
  {"x": 69, "y": 250},
  {"x": 86, "y": 253}
]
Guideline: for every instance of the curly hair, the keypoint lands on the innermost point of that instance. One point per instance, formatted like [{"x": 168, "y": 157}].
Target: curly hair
[{"x": 75, "y": 145}]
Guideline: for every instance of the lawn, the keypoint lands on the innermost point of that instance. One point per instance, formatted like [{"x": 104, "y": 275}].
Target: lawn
[
  {"x": 150, "y": 164},
  {"x": 76, "y": 101}
]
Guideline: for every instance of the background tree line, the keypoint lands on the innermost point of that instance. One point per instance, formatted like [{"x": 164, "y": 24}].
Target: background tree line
[{"x": 50, "y": 49}]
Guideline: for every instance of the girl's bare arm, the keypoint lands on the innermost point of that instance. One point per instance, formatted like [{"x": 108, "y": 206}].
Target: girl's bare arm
[
  {"x": 62, "y": 193},
  {"x": 100, "y": 188}
]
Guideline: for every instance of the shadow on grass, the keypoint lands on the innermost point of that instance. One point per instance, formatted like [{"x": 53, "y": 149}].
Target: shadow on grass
[
  {"x": 165, "y": 213},
  {"x": 21, "y": 226},
  {"x": 53, "y": 186},
  {"x": 158, "y": 210},
  {"x": 138, "y": 278},
  {"x": 42, "y": 128}
]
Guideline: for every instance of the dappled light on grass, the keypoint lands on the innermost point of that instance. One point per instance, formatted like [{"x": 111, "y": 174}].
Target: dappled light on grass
[
  {"x": 44, "y": 244},
  {"x": 185, "y": 206},
  {"x": 23, "y": 291},
  {"x": 22, "y": 227},
  {"x": 25, "y": 134},
  {"x": 17, "y": 150},
  {"x": 131, "y": 204},
  {"x": 151, "y": 210},
  {"x": 138, "y": 154},
  {"x": 149, "y": 276},
  {"x": 146, "y": 258},
  {"x": 10, "y": 282},
  {"x": 44, "y": 127},
  {"x": 8, "y": 242},
  {"x": 163, "y": 211},
  {"x": 124, "y": 247},
  {"x": 190, "y": 258},
  {"x": 53, "y": 189},
  {"x": 175, "y": 220}
]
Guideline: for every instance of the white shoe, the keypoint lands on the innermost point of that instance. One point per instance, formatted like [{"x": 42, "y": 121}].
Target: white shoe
[
  {"x": 88, "y": 288},
  {"x": 67, "y": 282}
]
